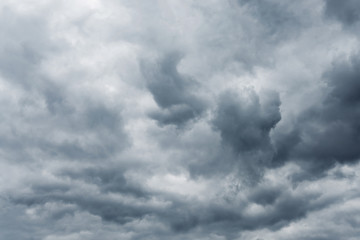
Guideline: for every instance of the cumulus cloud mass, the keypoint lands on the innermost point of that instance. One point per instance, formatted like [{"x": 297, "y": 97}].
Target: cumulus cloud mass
[{"x": 181, "y": 119}]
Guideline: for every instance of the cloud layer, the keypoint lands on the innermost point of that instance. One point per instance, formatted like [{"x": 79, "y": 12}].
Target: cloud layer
[{"x": 175, "y": 120}]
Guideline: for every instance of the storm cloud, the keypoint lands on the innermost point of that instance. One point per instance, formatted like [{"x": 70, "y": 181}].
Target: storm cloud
[
  {"x": 347, "y": 12},
  {"x": 172, "y": 91},
  {"x": 178, "y": 120},
  {"x": 329, "y": 131}
]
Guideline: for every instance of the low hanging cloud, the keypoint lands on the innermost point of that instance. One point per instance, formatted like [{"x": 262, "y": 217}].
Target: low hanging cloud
[
  {"x": 172, "y": 91},
  {"x": 179, "y": 120},
  {"x": 329, "y": 132},
  {"x": 244, "y": 122},
  {"x": 347, "y": 12}
]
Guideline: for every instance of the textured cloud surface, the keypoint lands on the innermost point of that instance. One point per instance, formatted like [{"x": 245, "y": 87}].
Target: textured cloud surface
[{"x": 220, "y": 119}]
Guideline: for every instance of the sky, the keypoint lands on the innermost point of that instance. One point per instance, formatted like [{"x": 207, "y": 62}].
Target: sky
[{"x": 179, "y": 119}]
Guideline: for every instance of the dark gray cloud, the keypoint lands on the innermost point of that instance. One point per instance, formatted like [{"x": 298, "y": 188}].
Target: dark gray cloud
[
  {"x": 347, "y": 12},
  {"x": 329, "y": 132},
  {"x": 172, "y": 91},
  {"x": 244, "y": 122}
]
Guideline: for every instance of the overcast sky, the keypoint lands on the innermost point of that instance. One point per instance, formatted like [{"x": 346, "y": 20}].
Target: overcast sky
[{"x": 179, "y": 119}]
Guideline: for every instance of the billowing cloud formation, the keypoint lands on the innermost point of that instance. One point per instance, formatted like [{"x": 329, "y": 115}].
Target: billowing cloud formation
[
  {"x": 179, "y": 120},
  {"x": 172, "y": 92},
  {"x": 328, "y": 132},
  {"x": 245, "y": 123}
]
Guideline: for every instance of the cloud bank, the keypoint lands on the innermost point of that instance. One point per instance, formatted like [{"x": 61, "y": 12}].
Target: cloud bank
[{"x": 175, "y": 120}]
